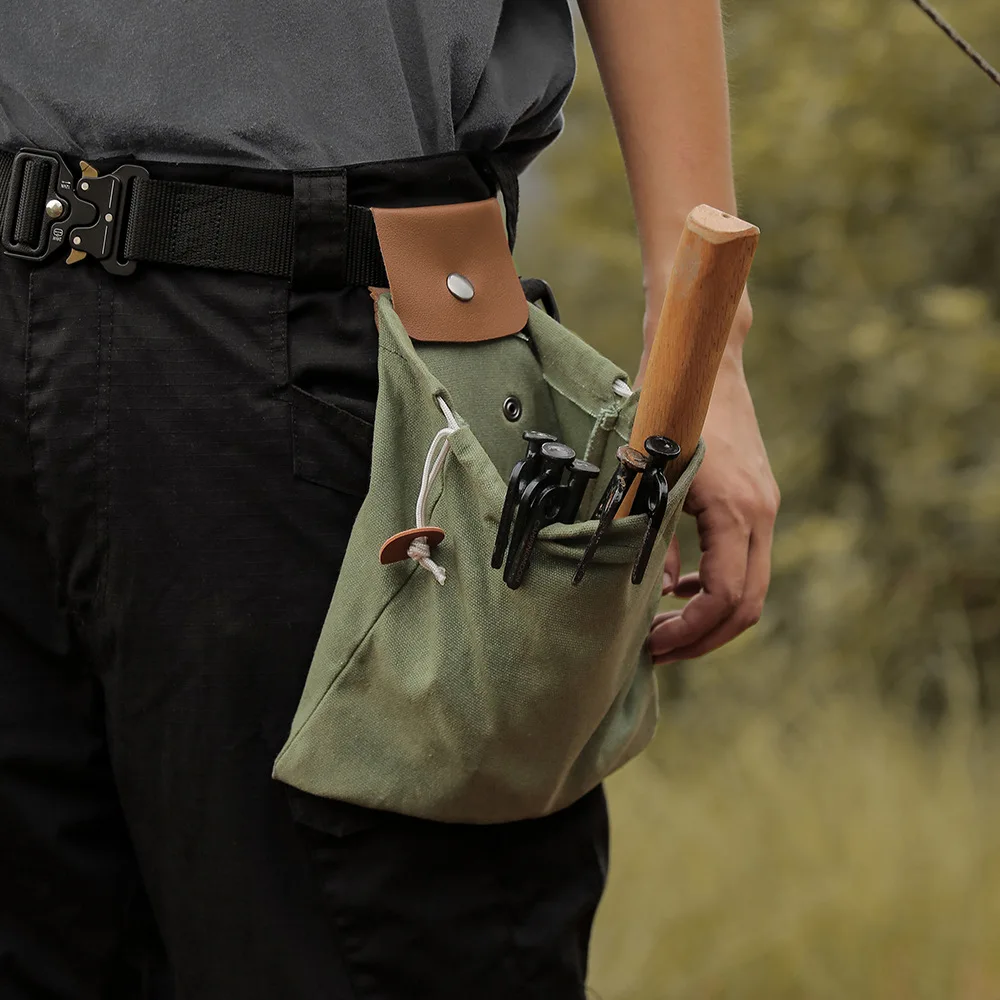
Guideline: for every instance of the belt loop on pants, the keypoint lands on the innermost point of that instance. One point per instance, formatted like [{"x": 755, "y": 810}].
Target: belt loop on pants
[
  {"x": 320, "y": 241},
  {"x": 506, "y": 178}
]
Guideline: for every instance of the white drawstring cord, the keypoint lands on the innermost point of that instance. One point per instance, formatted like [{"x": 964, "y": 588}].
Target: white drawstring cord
[
  {"x": 437, "y": 454},
  {"x": 621, "y": 388}
]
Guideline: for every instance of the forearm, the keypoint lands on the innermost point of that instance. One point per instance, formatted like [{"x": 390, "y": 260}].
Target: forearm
[{"x": 663, "y": 66}]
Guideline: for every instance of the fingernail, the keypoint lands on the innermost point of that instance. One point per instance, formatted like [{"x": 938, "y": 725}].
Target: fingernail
[{"x": 668, "y": 583}]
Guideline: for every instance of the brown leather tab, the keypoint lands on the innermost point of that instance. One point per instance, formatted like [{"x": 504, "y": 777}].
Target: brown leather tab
[{"x": 423, "y": 246}]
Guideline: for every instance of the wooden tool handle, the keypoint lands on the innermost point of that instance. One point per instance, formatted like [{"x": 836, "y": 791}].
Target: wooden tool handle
[{"x": 707, "y": 280}]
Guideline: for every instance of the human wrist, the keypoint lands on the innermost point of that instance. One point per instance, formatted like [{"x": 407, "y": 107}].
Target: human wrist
[
  {"x": 742, "y": 321},
  {"x": 654, "y": 287}
]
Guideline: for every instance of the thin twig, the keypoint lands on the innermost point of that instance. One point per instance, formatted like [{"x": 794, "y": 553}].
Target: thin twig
[{"x": 959, "y": 40}]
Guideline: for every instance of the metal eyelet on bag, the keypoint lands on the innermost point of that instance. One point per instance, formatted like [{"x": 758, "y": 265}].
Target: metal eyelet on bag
[{"x": 512, "y": 409}]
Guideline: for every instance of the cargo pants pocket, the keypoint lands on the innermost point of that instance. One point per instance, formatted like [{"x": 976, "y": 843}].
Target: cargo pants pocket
[
  {"x": 327, "y": 374},
  {"x": 453, "y": 911}
]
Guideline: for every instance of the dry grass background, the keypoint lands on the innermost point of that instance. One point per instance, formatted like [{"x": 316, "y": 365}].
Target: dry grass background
[{"x": 832, "y": 853}]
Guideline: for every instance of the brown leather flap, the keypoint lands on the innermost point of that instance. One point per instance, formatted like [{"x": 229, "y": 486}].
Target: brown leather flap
[{"x": 423, "y": 247}]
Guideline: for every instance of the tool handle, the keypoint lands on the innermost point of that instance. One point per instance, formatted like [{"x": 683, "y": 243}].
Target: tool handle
[{"x": 709, "y": 274}]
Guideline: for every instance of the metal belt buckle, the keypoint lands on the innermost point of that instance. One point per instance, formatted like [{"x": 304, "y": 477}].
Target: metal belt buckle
[{"x": 48, "y": 209}]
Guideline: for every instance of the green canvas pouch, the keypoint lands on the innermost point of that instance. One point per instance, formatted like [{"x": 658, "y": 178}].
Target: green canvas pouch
[{"x": 466, "y": 701}]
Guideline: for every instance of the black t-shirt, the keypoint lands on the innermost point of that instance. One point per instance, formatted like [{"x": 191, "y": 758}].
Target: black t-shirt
[{"x": 283, "y": 83}]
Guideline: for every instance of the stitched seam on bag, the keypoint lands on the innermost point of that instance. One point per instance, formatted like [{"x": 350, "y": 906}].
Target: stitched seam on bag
[
  {"x": 390, "y": 349},
  {"x": 678, "y": 496},
  {"x": 590, "y": 412},
  {"x": 293, "y": 737},
  {"x": 573, "y": 551},
  {"x": 605, "y": 421},
  {"x": 568, "y": 376},
  {"x": 438, "y": 389}
]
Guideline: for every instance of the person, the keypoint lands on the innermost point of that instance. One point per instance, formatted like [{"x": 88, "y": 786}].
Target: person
[{"x": 182, "y": 453}]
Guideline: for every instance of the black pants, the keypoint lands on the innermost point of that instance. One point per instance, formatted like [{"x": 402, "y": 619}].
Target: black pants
[{"x": 182, "y": 454}]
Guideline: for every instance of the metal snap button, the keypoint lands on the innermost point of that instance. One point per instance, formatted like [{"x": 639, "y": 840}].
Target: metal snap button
[
  {"x": 512, "y": 408},
  {"x": 460, "y": 286}
]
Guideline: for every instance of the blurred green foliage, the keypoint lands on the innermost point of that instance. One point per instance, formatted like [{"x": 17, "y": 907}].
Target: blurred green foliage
[
  {"x": 867, "y": 149},
  {"x": 791, "y": 834}
]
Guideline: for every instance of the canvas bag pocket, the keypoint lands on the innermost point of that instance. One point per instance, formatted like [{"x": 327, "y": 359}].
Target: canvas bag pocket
[{"x": 468, "y": 701}]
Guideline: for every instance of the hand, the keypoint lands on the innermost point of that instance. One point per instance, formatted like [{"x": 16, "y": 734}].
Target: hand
[{"x": 734, "y": 500}]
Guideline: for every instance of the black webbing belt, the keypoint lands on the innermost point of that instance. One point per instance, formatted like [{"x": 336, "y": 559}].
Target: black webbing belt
[
  {"x": 236, "y": 229},
  {"x": 126, "y": 217}
]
